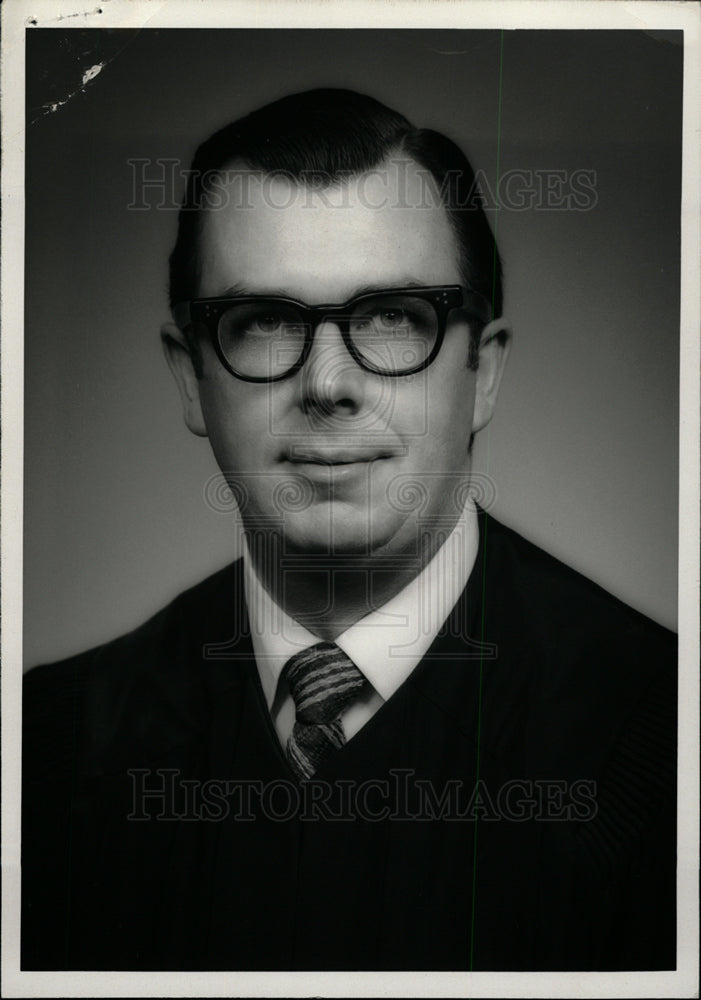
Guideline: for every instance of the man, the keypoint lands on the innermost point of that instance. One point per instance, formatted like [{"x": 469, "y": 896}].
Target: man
[{"x": 395, "y": 734}]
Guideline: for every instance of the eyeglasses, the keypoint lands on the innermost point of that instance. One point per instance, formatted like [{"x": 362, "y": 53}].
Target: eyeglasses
[{"x": 393, "y": 331}]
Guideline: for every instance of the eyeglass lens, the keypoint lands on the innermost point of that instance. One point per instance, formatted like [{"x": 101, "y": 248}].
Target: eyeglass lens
[{"x": 391, "y": 333}]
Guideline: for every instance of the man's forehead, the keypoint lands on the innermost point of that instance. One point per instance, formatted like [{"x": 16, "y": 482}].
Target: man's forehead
[{"x": 382, "y": 223}]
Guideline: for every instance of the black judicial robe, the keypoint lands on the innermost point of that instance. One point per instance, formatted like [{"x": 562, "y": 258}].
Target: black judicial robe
[{"x": 511, "y": 807}]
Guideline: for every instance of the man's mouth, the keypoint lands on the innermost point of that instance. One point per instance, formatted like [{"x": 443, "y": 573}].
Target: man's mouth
[{"x": 333, "y": 458}]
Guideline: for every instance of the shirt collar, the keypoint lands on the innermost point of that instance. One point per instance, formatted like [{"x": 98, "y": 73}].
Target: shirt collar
[{"x": 386, "y": 644}]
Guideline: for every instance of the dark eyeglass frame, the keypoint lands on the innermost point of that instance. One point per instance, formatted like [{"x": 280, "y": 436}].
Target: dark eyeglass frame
[{"x": 444, "y": 298}]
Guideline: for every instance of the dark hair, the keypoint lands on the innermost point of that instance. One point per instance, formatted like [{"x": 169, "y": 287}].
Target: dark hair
[{"x": 320, "y": 137}]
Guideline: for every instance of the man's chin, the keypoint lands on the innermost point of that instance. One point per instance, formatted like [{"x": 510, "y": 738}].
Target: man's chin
[{"x": 338, "y": 529}]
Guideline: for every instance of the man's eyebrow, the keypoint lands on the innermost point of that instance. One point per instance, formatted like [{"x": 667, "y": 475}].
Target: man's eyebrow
[
  {"x": 239, "y": 290},
  {"x": 379, "y": 287}
]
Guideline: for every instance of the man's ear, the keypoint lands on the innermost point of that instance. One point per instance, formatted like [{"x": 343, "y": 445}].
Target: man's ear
[
  {"x": 495, "y": 344},
  {"x": 179, "y": 360}
]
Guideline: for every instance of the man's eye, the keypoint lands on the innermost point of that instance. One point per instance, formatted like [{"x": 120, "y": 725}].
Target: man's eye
[
  {"x": 267, "y": 322},
  {"x": 392, "y": 317}
]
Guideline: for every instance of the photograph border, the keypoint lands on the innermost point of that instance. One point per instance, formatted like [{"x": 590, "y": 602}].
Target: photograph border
[{"x": 19, "y": 17}]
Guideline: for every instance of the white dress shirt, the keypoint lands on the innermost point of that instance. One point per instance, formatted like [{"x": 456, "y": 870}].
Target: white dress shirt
[{"x": 385, "y": 645}]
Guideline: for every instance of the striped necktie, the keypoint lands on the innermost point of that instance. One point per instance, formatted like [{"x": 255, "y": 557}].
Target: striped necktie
[{"x": 323, "y": 682}]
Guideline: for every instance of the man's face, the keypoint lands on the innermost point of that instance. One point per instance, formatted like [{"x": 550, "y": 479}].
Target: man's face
[{"x": 349, "y": 445}]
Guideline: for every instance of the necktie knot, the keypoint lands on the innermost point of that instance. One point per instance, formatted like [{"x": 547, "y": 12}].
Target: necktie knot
[{"x": 323, "y": 681}]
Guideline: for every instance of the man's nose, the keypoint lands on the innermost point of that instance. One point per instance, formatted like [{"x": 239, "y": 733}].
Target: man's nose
[{"x": 332, "y": 382}]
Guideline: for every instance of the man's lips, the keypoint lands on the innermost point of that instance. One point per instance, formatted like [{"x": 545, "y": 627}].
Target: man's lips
[{"x": 345, "y": 457}]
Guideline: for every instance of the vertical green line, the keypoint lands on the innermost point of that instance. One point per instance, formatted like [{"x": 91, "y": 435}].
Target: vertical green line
[{"x": 484, "y": 557}]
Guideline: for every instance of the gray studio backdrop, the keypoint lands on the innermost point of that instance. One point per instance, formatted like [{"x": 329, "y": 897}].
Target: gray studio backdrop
[{"x": 583, "y": 450}]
